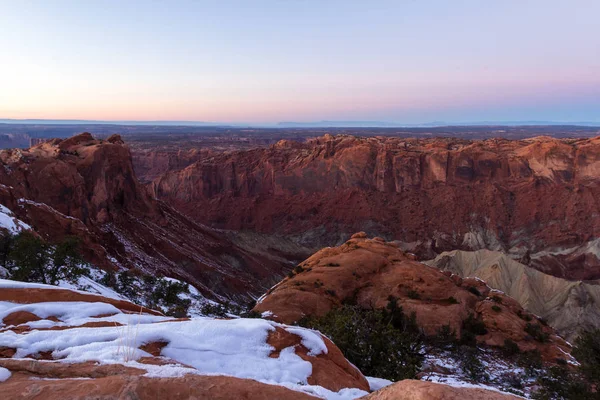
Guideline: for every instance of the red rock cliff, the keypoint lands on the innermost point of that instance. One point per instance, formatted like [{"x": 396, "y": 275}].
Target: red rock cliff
[
  {"x": 527, "y": 197},
  {"x": 87, "y": 187}
]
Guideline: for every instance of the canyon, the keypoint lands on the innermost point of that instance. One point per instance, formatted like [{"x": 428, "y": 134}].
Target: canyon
[
  {"x": 490, "y": 245},
  {"x": 534, "y": 199},
  {"x": 87, "y": 187}
]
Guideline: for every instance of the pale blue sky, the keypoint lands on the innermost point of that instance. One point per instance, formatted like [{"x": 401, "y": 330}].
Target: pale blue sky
[{"x": 301, "y": 60}]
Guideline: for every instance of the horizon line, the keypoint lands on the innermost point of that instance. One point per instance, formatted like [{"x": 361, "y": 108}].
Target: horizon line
[{"x": 296, "y": 124}]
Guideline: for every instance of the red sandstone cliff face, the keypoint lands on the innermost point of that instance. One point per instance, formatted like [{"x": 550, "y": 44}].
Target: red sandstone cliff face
[
  {"x": 87, "y": 187},
  {"x": 525, "y": 197},
  {"x": 150, "y": 165}
]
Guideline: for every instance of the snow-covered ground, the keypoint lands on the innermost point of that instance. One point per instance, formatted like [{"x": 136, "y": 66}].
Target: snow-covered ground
[
  {"x": 497, "y": 368},
  {"x": 9, "y": 222},
  {"x": 83, "y": 284},
  {"x": 91, "y": 284},
  {"x": 377, "y": 383},
  {"x": 4, "y": 374}
]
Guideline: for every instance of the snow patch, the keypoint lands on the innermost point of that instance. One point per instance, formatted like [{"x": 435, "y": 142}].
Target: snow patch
[
  {"x": 4, "y": 374},
  {"x": 203, "y": 346},
  {"x": 377, "y": 383},
  {"x": 8, "y": 284},
  {"x": 9, "y": 222},
  {"x": 312, "y": 340},
  {"x": 451, "y": 381}
]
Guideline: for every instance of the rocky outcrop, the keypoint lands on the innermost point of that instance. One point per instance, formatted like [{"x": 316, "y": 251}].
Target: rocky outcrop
[
  {"x": 369, "y": 272},
  {"x": 568, "y": 306},
  {"x": 420, "y": 390},
  {"x": 87, "y": 187},
  {"x": 149, "y": 165},
  {"x": 28, "y": 386},
  {"x": 523, "y": 196},
  {"x": 59, "y": 343}
]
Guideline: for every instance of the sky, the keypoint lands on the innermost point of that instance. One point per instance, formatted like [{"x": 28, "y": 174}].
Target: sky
[{"x": 265, "y": 61}]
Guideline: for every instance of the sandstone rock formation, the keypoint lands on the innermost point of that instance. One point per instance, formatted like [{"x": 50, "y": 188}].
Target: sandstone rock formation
[
  {"x": 420, "y": 390},
  {"x": 87, "y": 187},
  {"x": 150, "y": 165},
  {"x": 368, "y": 271},
  {"x": 568, "y": 306},
  {"x": 26, "y": 386},
  {"x": 535, "y": 198},
  {"x": 60, "y": 344}
]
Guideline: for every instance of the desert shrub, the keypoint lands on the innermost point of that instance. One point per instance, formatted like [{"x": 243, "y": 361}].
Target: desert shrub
[
  {"x": 31, "y": 259},
  {"x": 6, "y": 243},
  {"x": 496, "y": 308},
  {"x": 215, "y": 310},
  {"x": 153, "y": 292},
  {"x": 444, "y": 339},
  {"x": 225, "y": 309},
  {"x": 167, "y": 295},
  {"x": 471, "y": 365},
  {"x": 536, "y": 332},
  {"x": 126, "y": 284},
  {"x": 560, "y": 383},
  {"x": 523, "y": 316},
  {"x": 179, "y": 310},
  {"x": 251, "y": 314},
  {"x": 587, "y": 352},
  {"x": 109, "y": 279},
  {"x": 471, "y": 328},
  {"x": 510, "y": 348},
  {"x": 413, "y": 294},
  {"x": 452, "y": 300},
  {"x": 563, "y": 382},
  {"x": 383, "y": 342},
  {"x": 512, "y": 380},
  {"x": 169, "y": 292},
  {"x": 531, "y": 362}
]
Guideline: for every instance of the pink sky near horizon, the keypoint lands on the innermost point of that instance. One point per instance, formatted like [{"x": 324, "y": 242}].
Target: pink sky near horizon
[{"x": 406, "y": 62}]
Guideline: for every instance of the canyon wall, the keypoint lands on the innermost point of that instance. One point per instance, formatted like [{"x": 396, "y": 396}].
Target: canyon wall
[
  {"x": 87, "y": 188},
  {"x": 536, "y": 199}
]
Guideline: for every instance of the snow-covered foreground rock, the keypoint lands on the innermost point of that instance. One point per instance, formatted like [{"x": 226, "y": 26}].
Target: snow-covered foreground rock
[
  {"x": 9, "y": 222},
  {"x": 68, "y": 331}
]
